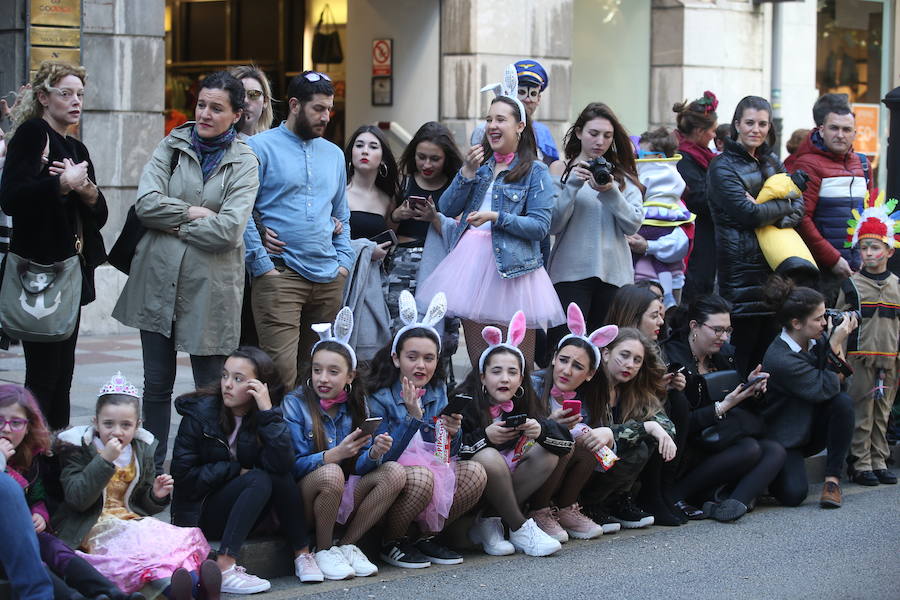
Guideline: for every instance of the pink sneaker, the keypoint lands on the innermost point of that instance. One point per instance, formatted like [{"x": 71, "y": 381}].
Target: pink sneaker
[
  {"x": 546, "y": 520},
  {"x": 577, "y": 525}
]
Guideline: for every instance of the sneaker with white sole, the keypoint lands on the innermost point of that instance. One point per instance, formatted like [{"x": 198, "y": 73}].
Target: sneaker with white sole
[
  {"x": 361, "y": 564},
  {"x": 306, "y": 569},
  {"x": 401, "y": 553},
  {"x": 489, "y": 533},
  {"x": 629, "y": 514},
  {"x": 577, "y": 524},
  {"x": 531, "y": 539},
  {"x": 598, "y": 515},
  {"x": 438, "y": 554},
  {"x": 236, "y": 580},
  {"x": 334, "y": 564},
  {"x": 546, "y": 520}
]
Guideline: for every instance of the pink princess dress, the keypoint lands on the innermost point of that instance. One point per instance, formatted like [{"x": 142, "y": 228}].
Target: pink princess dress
[{"x": 469, "y": 278}]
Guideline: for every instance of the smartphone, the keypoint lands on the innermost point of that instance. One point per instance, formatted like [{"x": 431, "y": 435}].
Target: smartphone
[
  {"x": 456, "y": 404},
  {"x": 370, "y": 425},
  {"x": 385, "y": 236},
  {"x": 674, "y": 368},
  {"x": 755, "y": 380},
  {"x": 572, "y": 407},
  {"x": 418, "y": 201},
  {"x": 515, "y": 420}
]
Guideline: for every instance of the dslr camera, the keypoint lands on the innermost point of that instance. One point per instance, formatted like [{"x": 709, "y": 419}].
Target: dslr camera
[
  {"x": 837, "y": 317},
  {"x": 601, "y": 169}
]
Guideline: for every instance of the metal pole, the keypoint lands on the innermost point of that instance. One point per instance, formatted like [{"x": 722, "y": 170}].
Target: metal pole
[
  {"x": 776, "y": 75},
  {"x": 892, "y": 158}
]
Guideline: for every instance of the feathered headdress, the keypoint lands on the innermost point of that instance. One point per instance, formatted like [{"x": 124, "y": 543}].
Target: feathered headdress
[
  {"x": 409, "y": 314},
  {"x": 878, "y": 221},
  {"x": 508, "y": 88},
  {"x": 494, "y": 337},
  {"x": 598, "y": 339},
  {"x": 339, "y": 332}
]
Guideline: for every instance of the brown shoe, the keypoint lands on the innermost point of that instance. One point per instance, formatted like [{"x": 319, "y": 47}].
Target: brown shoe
[{"x": 831, "y": 495}]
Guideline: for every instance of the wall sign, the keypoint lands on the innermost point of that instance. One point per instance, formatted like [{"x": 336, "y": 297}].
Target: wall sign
[
  {"x": 54, "y": 32},
  {"x": 382, "y": 58},
  {"x": 867, "y": 119}
]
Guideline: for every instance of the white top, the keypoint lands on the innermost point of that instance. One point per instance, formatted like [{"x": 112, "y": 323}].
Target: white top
[{"x": 486, "y": 205}]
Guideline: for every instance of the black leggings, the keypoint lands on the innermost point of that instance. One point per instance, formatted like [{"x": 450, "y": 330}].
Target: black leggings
[
  {"x": 231, "y": 512},
  {"x": 749, "y": 464},
  {"x": 592, "y": 296},
  {"x": 48, "y": 374},
  {"x": 832, "y": 429},
  {"x": 658, "y": 477}
]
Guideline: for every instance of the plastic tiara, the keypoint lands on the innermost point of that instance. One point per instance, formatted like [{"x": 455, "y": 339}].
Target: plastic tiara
[
  {"x": 409, "y": 314},
  {"x": 119, "y": 385},
  {"x": 339, "y": 332}
]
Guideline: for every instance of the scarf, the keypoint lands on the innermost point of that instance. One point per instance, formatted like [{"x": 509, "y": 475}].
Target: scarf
[
  {"x": 698, "y": 153},
  {"x": 327, "y": 403},
  {"x": 210, "y": 151},
  {"x": 498, "y": 409},
  {"x": 558, "y": 394},
  {"x": 504, "y": 159}
]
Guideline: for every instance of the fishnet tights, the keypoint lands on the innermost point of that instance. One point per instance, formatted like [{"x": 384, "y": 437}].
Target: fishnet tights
[
  {"x": 475, "y": 344},
  {"x": 413, "y": 499},
  {"x": 470, "y": 482}
]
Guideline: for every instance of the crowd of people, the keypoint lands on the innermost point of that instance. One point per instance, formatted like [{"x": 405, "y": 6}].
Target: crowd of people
[{"x": 644, "y": 316}]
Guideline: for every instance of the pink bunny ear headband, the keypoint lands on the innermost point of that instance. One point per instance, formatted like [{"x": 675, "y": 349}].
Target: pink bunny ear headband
[
  {"x": 597, "y": 340},
  {"x": 494, "y": 337},
  {"x": 339, "y": 333},
  {"x": 409, "y": 314}
]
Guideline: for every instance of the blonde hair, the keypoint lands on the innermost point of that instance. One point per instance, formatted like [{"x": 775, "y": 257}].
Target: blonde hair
[
  {"x": 268, "y": 115},
  {"x": 47, "y": 76}
]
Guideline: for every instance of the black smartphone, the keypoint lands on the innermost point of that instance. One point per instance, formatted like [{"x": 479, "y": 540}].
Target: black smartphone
[
  {"x": 515, "y": 420},
  {"x": 385, "y": 236},
  {"x": 370, "y": 425},
  {"x": 755, "y": 380},
  {"x": 674, "y": 368},
  {"x": 456, "y": 404}
]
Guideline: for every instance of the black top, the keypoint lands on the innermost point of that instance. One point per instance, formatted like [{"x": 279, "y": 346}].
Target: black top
[
  {"x": 410, "y": 227},
  {"x": 366, "y": 224},
  {"x": 44, "y": 221}
]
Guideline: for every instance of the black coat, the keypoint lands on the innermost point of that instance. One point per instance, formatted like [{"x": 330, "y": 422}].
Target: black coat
[
  {"x": 44, "y": 221},
  {"x": 202, "y": 463},
  {"x": 742, "y": 269},
  {"x": 702, "y": 262}
]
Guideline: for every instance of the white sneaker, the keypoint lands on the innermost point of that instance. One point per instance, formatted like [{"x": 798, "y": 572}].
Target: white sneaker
[
  {"x": 333, "y": 564},
  {"x": 358, "y": 561},
  {"x": 237, "y": 580},
  {"x": 489, "y": 533},
  {"x": 532, "y": 540},
  {"x": 307, "y": 570}
]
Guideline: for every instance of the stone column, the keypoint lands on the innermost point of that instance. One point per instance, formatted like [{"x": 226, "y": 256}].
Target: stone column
[
  {"x": 12, "y": 45},
  {"x": 480, "y": 37}
]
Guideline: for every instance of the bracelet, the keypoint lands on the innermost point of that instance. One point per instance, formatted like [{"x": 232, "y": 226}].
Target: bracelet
[{"x": 719, "y": 411}]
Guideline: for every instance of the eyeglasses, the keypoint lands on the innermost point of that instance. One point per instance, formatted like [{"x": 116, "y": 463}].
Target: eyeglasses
[
  {"x": 314, "y": 76},
  {"x": 67, "y": 93},
  {"x": 14, "y": 424},
  {"x": 254, "y": 94},
  {"x": 720, "y": 330}
]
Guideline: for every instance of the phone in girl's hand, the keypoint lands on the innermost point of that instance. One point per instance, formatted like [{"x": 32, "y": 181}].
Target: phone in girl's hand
[
  {"x": 419, "y": 202},
  {"x": 755, "y": 380},
  {"x": 515, "y": 420},
  {"x": 370, "y": 425},
  {"x": 456, "y": 404},
  {"x": 572, "y": 407}
]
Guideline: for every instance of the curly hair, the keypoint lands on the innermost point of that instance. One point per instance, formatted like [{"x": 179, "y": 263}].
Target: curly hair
[{"x": 46, "y": 77}]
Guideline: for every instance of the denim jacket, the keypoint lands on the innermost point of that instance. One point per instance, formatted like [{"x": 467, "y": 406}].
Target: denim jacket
[
  {"x": 299, "y": 421},
  {"x": 388, "y": 404},
  {"x": 524, "y": 210}
]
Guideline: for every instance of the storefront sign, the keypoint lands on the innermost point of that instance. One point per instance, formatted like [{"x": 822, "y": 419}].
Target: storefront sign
[
  {"x": 55, "y": 36},
  {"x": 65, "y": 13},
  {"x": 39, "y": 55},
  {"x": 382, "y": 58},
  {"x": 867, "y": 119},
  {"x": 54, "y": 32}
]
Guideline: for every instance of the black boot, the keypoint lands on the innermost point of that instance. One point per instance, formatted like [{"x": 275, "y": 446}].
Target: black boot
[{"x": 82, "y": 576}]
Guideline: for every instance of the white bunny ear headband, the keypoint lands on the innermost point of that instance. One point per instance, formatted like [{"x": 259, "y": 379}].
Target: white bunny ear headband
[
  {"x": 598, "y": 339},
  {"x": 494, "y": 337},
  {"x": 338, "y": 333},
  {"x": 409, "y": 314},
  {"x": 508, "y": 88}
]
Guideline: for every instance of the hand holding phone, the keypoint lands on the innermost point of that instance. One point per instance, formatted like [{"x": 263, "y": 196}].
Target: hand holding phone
[
  {"x": 370, "y": 425},
  {"x": 572, "y": 407},
  {"x": 456, "y": 404},
  {"x": 514, "y": 421}
]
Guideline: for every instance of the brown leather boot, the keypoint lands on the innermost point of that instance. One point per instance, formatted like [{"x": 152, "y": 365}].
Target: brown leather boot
[{"x": 831, "y": 495}]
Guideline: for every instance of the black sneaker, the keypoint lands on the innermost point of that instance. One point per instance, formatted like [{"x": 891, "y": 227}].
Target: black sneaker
[
  {"x": 864, "y": 478},
  {"x": 404, "y": 555},
  {"x": 885, "y": 476},
  {"x": 598, "y": 515},
  {"x": 437, "y": 554},
  {"x": 626, "y": 512}
]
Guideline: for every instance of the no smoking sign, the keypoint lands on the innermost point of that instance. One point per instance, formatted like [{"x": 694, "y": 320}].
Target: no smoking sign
[{"x": 382, "y": 57}]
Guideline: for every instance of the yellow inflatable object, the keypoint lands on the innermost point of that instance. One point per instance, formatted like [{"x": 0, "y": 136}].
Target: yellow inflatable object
[{"x": 784, "y": 249}]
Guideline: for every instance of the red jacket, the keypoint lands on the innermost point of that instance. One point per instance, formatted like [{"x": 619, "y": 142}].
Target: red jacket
[{"x": 837, "y": 185}]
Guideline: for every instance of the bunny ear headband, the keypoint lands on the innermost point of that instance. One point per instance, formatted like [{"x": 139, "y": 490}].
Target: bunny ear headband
[
  {"x": 597, "y": 340},
  {"x": 508, "y": 88},
  {"x": 494, "y": 337},
  {"x": 409, "y": 314},
  {"x": 338, "y": 333}
]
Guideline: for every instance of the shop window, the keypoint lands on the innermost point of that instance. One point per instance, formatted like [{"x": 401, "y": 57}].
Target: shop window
[{"x": 850, "y": 48}]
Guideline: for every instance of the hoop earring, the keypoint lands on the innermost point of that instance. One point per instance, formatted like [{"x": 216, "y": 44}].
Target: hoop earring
[
  {"x": 348, "y": 388},
  {"x": 517, "y": 395},
  {"x": 308, "y": 382},
  {"x": 385, "y": 173},
  {"x": 483, "y": 390}
]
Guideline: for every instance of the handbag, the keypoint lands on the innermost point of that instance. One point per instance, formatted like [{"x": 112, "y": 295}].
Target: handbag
[
  {"x": 122, "y": 252},
  {"x": 40, "y": 303},
  {"x": 326, "y": 47},
  {"x": 720, "y": 383},
  {"x": 737, "y": 424}
]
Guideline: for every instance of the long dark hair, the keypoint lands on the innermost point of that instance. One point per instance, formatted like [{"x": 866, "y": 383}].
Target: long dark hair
[
  {"x": 755, "y": 103},
  {"x": 388, "y": 183},
  {"x": 356, "y": 397},
  {"x": 440, "y": 136},
  {"x": 382, "y": 372},
  {"x": 629, "y": 304},
  {"x": 620, "y": 153},
  {"x": 639, "y": 399},
  {"x": 526, "y": 149}
]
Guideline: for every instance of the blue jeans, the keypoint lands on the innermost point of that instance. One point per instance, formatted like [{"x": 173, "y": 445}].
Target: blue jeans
[{"x": 22, "y": 559}]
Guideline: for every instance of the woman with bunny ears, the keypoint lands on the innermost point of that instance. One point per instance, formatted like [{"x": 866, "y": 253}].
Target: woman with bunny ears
[
  {"x": 570, "y": 377},
  {"x": 506, "y": 430},
  {"x": 504, "y": 197},
  {"x": 340, "y": 468},
  {"x": 408, "y": 389}
]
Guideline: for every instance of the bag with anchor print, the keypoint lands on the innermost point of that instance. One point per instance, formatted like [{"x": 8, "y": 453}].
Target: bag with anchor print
[{"x": 39, "y": 303}]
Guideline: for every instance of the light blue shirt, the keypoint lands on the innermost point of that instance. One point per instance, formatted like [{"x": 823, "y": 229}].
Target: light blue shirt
[{"x": 302, "y": 185}]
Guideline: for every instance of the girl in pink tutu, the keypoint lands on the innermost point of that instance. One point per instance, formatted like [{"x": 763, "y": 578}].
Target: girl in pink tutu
[
  {"x": 407, "y": 387},
  {"x": 506, "y": 430},
  {"x": 504, "y": 197},
  {"x": 111, "y": 489}
]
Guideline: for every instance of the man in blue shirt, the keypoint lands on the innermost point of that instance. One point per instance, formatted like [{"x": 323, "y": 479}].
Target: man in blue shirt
[{"x": 302, "y": 193}]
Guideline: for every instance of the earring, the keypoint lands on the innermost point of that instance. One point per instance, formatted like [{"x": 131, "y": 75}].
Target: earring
[
  {"x": 308, "y": 382},
  {"x": 518, "y": 136},
  {"x": 483, "y": 390},
  {"x": 694, "y": 338},
  {"x": 350, "y": 165},
  {"x": 385, "y": 173},
  {"x": 348, "y": 388},
  {"x": 517, "y": 395}
]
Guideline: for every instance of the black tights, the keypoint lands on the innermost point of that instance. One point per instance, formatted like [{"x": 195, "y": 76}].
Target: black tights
[{"x": 658, "y": 477}]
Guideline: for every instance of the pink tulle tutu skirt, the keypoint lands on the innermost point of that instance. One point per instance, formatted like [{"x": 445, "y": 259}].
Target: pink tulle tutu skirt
[
  {"x": 132, "y": 553},
  {"x": 476, "y": 291},
  {"x": 420, "y": 453},
  {"x": 348, "y": 500}
]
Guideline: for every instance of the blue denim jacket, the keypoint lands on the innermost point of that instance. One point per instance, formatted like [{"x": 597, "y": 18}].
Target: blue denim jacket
[
  {"x": 299, "y": 421},
  {"x": 388, "y": 404},
  {"x": 524, "y": 209}
]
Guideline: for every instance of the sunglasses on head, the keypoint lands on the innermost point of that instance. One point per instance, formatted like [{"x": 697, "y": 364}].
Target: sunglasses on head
[
  {"x": 254, "y": 94},
  {"x": 314, "y": 76}
]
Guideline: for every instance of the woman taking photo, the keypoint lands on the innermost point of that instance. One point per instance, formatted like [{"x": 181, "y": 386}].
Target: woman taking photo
[
  {"x": 735, "y": 178},
  {"x": 504, "y": 204},
  {"x": 49, "y": 189},
  {"x": 748, "y": 465},
  {"x": 187, "y": 276},
  {"x": 591, "y": 258}
]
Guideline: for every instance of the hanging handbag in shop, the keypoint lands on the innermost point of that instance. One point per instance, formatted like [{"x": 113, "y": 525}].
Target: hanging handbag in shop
[{"x": 326, "y": 47}]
